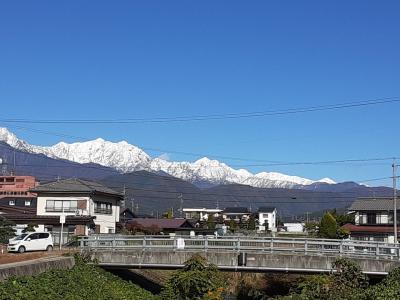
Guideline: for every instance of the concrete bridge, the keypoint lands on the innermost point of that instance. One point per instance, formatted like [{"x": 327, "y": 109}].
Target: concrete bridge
[{"x": 293, "y": 255}]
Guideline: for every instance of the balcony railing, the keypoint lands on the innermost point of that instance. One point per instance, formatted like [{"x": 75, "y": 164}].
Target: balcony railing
[
  {"x": 104, "y": 211},
  {"x": 60, "y": 209}
]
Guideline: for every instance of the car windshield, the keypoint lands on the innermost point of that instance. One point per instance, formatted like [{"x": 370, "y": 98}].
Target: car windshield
[{"x": 21, "y": 237}]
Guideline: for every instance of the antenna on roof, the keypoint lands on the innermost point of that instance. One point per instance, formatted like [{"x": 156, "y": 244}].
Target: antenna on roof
[{"x": 58, "y": 178}]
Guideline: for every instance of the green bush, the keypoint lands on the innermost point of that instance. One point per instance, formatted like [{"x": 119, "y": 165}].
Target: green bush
[
  {"x": 83, "y": 281},
  {"x": 198, "y": 280}
]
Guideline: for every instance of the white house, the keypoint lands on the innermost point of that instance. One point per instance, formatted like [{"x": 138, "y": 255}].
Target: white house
[
  {"x": 201, "y": 213},
  {"x": 236, "y": 213},
  {"x": 78, "y": 200},
  {"x": 267, "y": 218}
]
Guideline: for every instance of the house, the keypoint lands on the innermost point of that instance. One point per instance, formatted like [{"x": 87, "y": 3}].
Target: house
[
  {"x": 267, "y": 218},
  {"x": 89, "y": 207},
  {"x": 160, "y": 225},
  {"x": 14, "y": 191},
  {"x": 201, "y": 214},
  {"x": 236, "y": 213},
  {"x": 373, "y": 219},
  {"x": 17, "y": 186},
  {"x": 126, "y": 215}
]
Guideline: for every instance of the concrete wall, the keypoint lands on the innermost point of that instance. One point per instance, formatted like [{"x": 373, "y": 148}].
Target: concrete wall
[
  {"x": 35, "y": 267},
  {"x": 229, "y": 260}
]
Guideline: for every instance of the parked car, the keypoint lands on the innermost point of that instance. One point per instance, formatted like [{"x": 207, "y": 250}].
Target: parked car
[{"x": 35, "y": 241}]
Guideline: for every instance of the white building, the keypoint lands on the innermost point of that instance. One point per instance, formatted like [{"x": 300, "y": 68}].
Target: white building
[
  {"x": 89, "y": 207},
  {"x": 201, "y": 213},
  {"x": 294, "y": 227},
  {"x": 267, "y": 218}
]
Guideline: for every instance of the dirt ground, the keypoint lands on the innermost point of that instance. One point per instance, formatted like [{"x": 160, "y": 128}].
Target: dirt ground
[{"x": 6, "y": 257}]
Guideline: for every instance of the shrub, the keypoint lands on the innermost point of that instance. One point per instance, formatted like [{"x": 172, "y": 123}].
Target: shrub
[{"x": 198, "y": 280}]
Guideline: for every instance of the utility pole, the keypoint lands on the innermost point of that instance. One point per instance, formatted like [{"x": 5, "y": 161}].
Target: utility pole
[
  {"x": 124, "y": 194},
  {"x": 180, "y": 197},
  {"x": 394, "y": 166}
]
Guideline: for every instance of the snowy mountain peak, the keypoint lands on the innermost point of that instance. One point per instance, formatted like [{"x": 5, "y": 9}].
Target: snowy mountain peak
[
  {"x": 327, "y": 180},
  {"x": 125, "y": 157}
]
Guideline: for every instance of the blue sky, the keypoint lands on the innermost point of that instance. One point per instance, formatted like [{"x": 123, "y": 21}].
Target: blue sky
[{"x": 143, "y": 59}]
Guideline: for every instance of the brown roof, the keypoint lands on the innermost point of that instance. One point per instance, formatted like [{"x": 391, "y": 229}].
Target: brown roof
[
  {"x": 16, "y": 210},
  {"x": 162, "y": 223},
  {"x": 49, "y": 220},
  {"x": 369, "y": 229}
]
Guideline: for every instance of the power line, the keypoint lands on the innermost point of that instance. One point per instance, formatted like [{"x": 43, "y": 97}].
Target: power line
[{"x": 207, "y": 117}]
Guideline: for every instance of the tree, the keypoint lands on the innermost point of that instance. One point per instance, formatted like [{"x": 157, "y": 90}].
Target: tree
[
  {"x": 210, "y": 221},
  {"x": 6, "y": 230},
  {"x": 169, "y": 214},
  {"x": 328, "y": 227},
  {"x": 311, "y": 228},
  {"x": 251, "y": 225},
  {"x": 348, "y": 282},
  {"x": 197, "y": 280},
  {"x": 30, "y": 228},
  {"x": 232, "y": 225}
]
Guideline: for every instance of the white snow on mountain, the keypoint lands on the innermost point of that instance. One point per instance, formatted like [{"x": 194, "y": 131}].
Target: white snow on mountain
[{"x": 125, "y": 157}]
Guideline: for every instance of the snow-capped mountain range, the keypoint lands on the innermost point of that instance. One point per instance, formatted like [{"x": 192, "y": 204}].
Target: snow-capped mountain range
[{"x": 125, "y": 158}]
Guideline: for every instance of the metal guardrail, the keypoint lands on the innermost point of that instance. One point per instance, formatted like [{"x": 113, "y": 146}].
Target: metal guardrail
[{"x": 345, "y": 248}]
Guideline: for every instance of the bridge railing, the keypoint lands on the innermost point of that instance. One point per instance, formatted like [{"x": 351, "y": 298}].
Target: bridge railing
[{"x": 349, "y": 248}]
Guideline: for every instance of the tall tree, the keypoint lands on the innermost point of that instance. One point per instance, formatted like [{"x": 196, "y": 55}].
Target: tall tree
[
  {"x": 328, "y": 227},
  {"x": 211, "y": 221},
  {"x": 251, "y": 225}
]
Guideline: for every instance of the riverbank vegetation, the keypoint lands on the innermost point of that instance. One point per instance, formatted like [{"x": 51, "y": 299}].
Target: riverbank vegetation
[{"x": 83, "y": 281}]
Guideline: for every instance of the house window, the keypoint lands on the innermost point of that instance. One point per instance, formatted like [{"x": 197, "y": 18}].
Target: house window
[
  {"x": 11, "y": 202},
  {"x": 61, "y": 205},
  {"x": 371, "y": 218},
  {"x": 27, "y": 202},
  {"x": 102, "y": 208}
]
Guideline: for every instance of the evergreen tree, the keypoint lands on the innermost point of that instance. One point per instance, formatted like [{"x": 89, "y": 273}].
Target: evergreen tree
[
  {"x": 30, "y": 228},
  {"x": 252, "y": 223},
  {"x": 328, "y": 227},
  {"x": 232, "y": 225},
  {"x": 6, "y": 230},
  {"x": 211, "y": 221}
]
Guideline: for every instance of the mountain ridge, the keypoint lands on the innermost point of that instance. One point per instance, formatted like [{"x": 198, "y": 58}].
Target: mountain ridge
[{"x": 126, "y": 158}]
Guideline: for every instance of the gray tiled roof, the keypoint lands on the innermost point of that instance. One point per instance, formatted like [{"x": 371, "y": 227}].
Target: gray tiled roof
[
  {"x": 234, "y": 210},
  {"x": 266, "y": 209},
  {"x": 74, "y": 185},
  {"x": 373, "y": 204}
]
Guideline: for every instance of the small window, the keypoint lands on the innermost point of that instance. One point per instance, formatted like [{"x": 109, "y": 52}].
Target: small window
[
  {"x": 11, "y": 202},
  {"x": 27, "y": 202}
]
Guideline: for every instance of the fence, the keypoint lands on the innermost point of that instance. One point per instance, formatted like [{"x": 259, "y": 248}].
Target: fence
[{"x": 304, "y": 246}]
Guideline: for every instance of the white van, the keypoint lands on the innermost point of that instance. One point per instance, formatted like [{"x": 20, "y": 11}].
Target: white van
[{"x": 31, "y": 242}]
